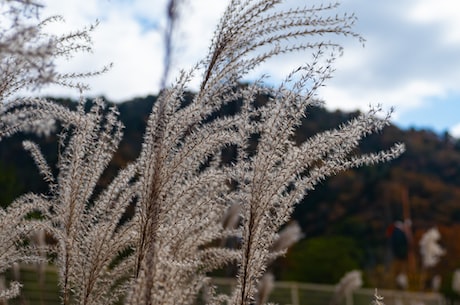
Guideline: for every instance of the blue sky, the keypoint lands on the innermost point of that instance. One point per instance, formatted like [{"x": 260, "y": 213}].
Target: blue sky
[{"x": 411, "y": 60}]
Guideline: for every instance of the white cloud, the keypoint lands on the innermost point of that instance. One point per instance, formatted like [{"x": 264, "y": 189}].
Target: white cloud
[
  {"x": 403, "y": 97},
  {"x": 135, "y": 50},
  {"x": 137, "y": 58},
  {"x": 406, "y": 61},
  {"x": 120, "y": 39},
  {"x": 455, "y": 131},
  {"x": 196, "y": 29},
  {"x": 444, "y": 13}
]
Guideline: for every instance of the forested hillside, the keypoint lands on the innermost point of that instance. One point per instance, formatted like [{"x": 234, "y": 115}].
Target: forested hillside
[{"x": 347, "y": 216}]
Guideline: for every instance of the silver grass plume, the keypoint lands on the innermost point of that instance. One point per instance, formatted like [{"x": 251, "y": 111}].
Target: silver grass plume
[
  {"x": 28, "y": 52},
  {"x": 287, "y": 237},
  {"x": 351, "y": 281},
  {"x": 86, "y": 228},
  {"x": 27, "y": 62},
  {"x": 179, "y": 161},
  {"x": 179, "y": 186},
  {"x": 266, "y": 285},
  {"x": 430, "y": 250},
  {"x": 456, "y": 281},
  {"x": 377, "y": 299}
]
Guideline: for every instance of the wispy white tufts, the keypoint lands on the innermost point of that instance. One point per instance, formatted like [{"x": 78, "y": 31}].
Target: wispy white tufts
[
  {"x": 456, "y": 281},
  {"x": 430, "y": 250},
  {"x": 348, "y": 283}
]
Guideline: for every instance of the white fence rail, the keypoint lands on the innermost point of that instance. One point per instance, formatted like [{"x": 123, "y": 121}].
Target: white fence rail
[
  {"x": 293, "y": 293},
  {"x": 45, "y": 292}
]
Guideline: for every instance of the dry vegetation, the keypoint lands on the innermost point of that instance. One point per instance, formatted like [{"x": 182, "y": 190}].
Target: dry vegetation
[{"x": 178, "y": 186}]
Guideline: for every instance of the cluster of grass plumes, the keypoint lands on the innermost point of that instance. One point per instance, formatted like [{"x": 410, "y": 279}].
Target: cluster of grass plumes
[
  {"x": 28, "y": 52},
  {"x": 179, "y": 187}
]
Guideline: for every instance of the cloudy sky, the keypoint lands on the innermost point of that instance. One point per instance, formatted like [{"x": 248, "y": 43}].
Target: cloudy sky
[{"x": 411, "y": 60}]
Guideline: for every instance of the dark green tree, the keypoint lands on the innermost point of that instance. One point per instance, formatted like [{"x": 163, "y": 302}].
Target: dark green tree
[
  {"x": 321, "y": 259},
  {"x": 10, "y": 187}
]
